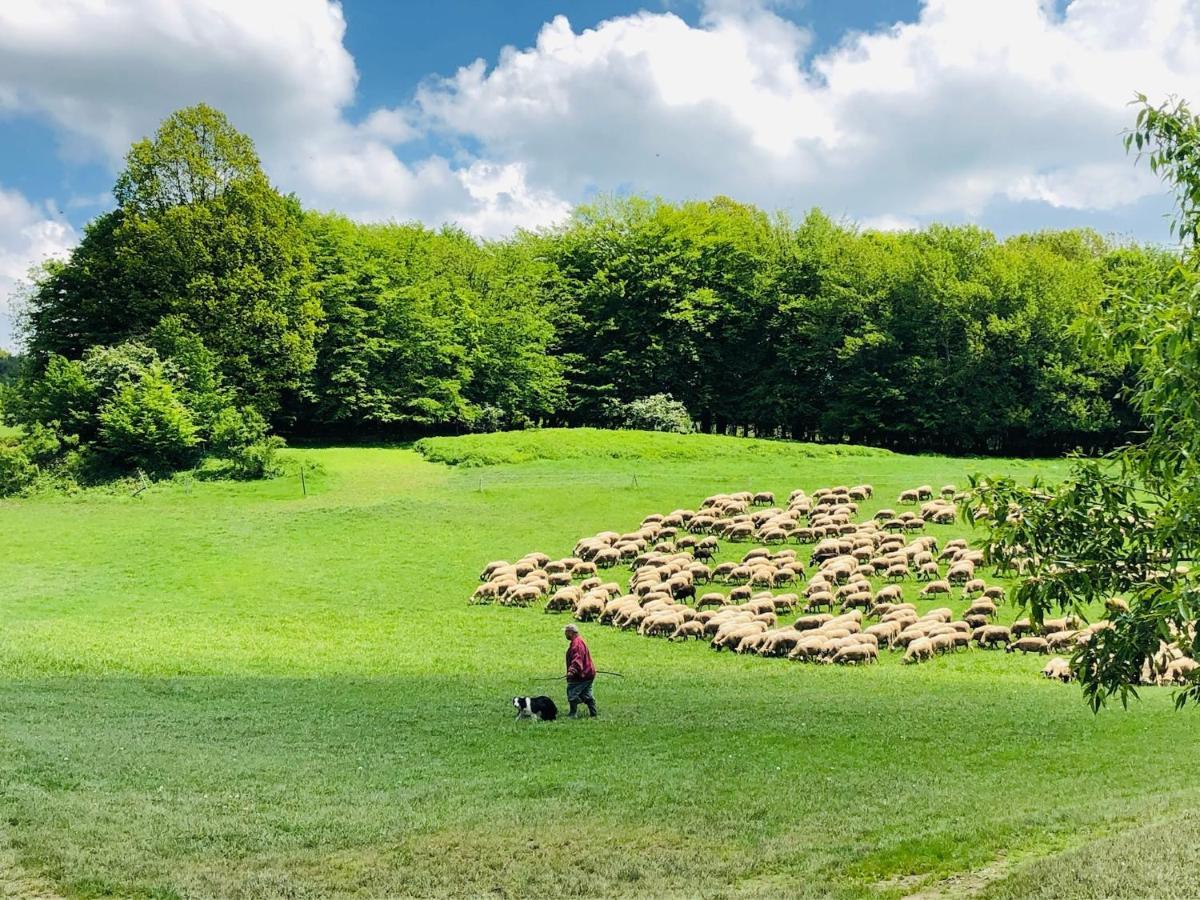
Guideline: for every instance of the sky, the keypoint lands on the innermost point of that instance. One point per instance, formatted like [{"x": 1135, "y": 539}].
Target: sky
[{"x": 504, "y": 114}]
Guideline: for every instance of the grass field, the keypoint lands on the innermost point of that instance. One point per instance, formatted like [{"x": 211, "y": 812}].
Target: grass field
[{"x": 234, "y": 690}]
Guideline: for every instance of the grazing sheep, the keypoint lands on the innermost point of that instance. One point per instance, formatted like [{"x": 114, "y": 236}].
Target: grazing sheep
[
  {"x": 992, "y": 636},
  {"x": 1029, "y": 645},
  {"x": 886, "y": 632},
  {"x": 1058, "y": 669},
  {"x": 909, "y": 496},
  {"x": 1116, "y": 605},
  {"x": 1061, "y": 640},
  {"x": 994, "y": 593},
  {"x": 589, "y": 608},
  {"x": 982, "y": 607},
  {"x": 942, "y": 643},
  {"x": 918, "y": 650},
  {"x": 974, "y": 586},
  {"x": 961, "y": 571},
  {"x": 935, "y": 587},
  {"x": 1179, "y": 671},
  {"x": 856, "y": 654}
]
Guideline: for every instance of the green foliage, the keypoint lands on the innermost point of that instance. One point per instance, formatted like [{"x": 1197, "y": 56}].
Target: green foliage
[
  {"x": 427, "y": 329},
  {"x": 942, "y": 339},
  {"x": 656, "y": 413},
  {"x": 1125, "y": 524},
  {"x": 200, "y": 238},
  {"x": 145, "y": 425},
  {"x": 16, "y": 469}
]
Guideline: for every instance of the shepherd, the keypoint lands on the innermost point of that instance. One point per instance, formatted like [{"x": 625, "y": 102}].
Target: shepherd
[{"x": 581, "y": 672}]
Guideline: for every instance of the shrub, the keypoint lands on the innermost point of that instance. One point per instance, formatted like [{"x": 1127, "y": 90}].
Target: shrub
[
  {"x": 658, "y": 412},
  {"x": 16, "y": 471},
  {"x": 145, "y": 425},
  {"x": 257, "y": 460}
]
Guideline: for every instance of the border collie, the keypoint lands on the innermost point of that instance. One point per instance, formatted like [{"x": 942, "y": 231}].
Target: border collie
[{"x": 536, "y": 707}]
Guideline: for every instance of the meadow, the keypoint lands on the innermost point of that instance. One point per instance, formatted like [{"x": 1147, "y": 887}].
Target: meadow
[{"x": 217, "y": 689}]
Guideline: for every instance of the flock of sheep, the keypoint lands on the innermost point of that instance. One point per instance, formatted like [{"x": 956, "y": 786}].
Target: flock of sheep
[{"x": 841, "y": 617}]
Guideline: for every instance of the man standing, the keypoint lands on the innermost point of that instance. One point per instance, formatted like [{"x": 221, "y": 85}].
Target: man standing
[{"x": 580, "y": 672}]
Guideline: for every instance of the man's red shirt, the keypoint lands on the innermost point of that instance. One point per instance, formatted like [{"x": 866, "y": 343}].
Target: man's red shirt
[{"x": 579, "y": 661}]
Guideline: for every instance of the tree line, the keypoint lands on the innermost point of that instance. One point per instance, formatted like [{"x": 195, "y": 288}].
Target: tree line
[{"x": 207, "y": 312}]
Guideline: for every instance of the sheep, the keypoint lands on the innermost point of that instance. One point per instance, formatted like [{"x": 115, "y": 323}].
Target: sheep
[
  {"x": 855, "y": 654},
  {"x": 994, "y": 593},
  {"x": 909, "y": 496},
  {"x": 1058, "y": 669},
  {"x": 739, "y": 630},
  {"x": 1028, "y": 645},
  {"x": 885, "y": 631},
  {"x": 1061, "y": 640},
  {"x": 1179, "y": 671},
  {"x": 589, "y": 608},
  {"x": 935, "y": 587},
  {"x": 807, "y": 623},
  {"x": 992, "y": 636},
  {"x": 948, "y": 490},
  {"x": 981, "y": 607},
  {"x": 961, "y": 571},
  {"x": 942, "y": 643},
  {"x": 927, "y": 571},
  {"x": 925, "y": 492},
  {"x": 491, "y": 567},
  {"x": 918, "y": 650},
  {"x": 1116, "y": 605},
  {"x": 889, "y": 593},
  {"x": 763, "y": 498},
  {"x": 896, "y": 572},
  {"x": 974, "y": 586}
]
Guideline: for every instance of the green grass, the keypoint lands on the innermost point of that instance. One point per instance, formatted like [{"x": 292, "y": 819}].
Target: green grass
[
  {"x": 641, "y": 447},
  {"x": 233, "y": 690}
]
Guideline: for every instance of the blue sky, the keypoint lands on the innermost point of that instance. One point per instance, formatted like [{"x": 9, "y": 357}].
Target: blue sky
[{"x": 887, "y": 113}]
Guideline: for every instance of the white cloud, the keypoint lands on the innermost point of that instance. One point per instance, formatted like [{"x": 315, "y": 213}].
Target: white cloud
[
  {"x": 973, "y": 105},
  {"x": 29, "y": 236}
]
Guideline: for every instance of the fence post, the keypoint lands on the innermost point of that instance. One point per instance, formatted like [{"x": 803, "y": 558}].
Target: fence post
[{"x": 303, "y": 483}]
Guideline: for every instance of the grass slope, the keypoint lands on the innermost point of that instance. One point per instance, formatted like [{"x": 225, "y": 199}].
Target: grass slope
[{"x": 273, "y": 695}]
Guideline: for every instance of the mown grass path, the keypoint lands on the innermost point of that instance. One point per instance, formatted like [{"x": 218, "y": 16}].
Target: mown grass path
[{"x": 236, "y": 691}]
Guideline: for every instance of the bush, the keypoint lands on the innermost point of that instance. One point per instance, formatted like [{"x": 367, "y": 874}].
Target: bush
[
  {"x": 145, "y": 425},
  {"x": 257, "y": 460},
  {"x": 16, "y": 471},
  {"x": 657, "y": 412}
]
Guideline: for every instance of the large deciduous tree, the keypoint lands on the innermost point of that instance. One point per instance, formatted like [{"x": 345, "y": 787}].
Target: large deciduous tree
[
  {"x": 198, "y": 235},
  {"x": 1126, "y": 523}
]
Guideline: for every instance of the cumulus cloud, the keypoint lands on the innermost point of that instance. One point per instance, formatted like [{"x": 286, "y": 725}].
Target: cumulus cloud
[
  {"x": 970, "y": 107},
  {"x": 30, "y": 234},
  {"x": 970, "y": 104}
]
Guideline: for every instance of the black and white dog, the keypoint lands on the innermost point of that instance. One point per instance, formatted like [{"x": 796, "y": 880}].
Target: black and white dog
[{"x": 536, "y": 707}]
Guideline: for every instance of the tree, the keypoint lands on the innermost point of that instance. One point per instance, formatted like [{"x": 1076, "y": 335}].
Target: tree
[
  {"x": 1125, "y": 523},
  {"x": 200, "y": 237}
]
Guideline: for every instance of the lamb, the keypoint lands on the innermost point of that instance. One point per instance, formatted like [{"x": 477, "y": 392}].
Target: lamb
[{"x": 1029, "y": 645}]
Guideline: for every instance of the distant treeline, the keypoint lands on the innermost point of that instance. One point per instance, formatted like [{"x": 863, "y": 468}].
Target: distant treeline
[{"x": 212, "y": 310}]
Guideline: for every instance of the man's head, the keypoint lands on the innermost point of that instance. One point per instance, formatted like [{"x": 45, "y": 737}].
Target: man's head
[{"x": 570, "y": 631}]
